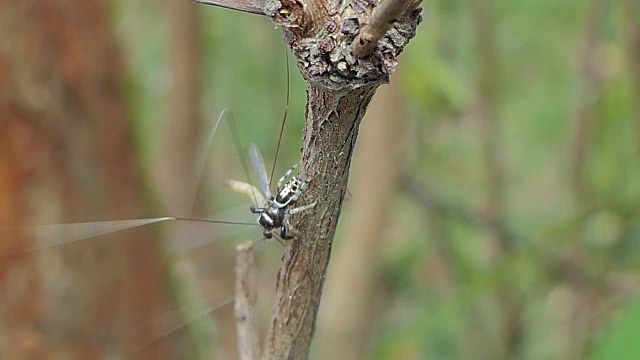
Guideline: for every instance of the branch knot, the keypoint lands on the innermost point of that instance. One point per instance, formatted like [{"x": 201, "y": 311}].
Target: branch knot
[{"x": 327, "y": 57}]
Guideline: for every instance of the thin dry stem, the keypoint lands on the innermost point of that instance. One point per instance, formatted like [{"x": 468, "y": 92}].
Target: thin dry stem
[
  {"x": 248, "y": 6},
  {"x": 245, "y": 305}
]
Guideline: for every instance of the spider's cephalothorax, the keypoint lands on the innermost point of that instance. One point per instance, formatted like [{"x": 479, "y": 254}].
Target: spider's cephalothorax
[{"x": 276, "y": 209}]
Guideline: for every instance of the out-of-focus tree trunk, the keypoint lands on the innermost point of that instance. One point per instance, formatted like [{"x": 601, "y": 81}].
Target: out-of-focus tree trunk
[
  {"x": 583, "y": 294},
  {"x": 589, "y": 88},
  {"x": 66, "y": 156},
  {"x": 22, "y": 314},
  {"x": 632, "y": 32},
  {"x": 352, "y": 284},
  {"x": 182, "y": 127},
  {"x": 488, "y": 80},
  {"x": 181, "y": 178}
]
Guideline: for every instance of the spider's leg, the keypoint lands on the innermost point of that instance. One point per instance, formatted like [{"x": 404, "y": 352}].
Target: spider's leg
[
  {"x": 300, "y": 209},
  {"x": 305, "y": 184},
  {"x": 286, "y": 175},
  {"x": 287, "y": 230},
  {"x": 256, "y": 210}
]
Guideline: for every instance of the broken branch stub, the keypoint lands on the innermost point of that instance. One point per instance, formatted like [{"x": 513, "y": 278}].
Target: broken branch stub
[{"x": 321, "y": 35}]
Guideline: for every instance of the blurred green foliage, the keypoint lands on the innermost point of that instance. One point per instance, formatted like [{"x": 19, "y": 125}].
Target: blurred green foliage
[{"x": 621, "y": 339}]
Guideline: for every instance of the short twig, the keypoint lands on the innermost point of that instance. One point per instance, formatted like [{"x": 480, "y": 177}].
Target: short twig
[
  {"x": 245, "y": 307},
  {"x": 381, "y": 20}
]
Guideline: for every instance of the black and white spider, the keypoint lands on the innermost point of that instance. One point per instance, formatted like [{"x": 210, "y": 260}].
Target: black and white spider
[{"x": 275, "y": 209}]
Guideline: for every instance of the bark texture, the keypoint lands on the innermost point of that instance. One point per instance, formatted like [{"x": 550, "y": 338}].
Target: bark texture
[
  {"x": 344, "y": 332},
  {"x": 339, "y": 89},
  {"x": 328, "y": 146},
  {"x": 321, "y": 34}
]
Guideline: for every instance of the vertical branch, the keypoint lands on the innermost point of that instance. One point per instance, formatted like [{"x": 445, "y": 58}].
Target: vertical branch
[
  {"x": 339, "y": 88},
  {"x": 245, "y": 304},
  {"x": 329, "y": 138},
  {"x": 344, "y": 331}
]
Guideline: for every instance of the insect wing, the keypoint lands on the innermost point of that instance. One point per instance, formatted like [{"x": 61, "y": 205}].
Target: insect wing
[{"x": 258, "y": 164}]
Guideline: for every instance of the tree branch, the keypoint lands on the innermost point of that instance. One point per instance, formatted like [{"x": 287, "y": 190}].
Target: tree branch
[
  {"x": 345, "y": 331},
  {"x": 245, "y": 304},
  {"x": 248, "y": 6},
  {"x": 339, "y": 88},
  {"x": 328, "y": 145},
  {"x": 382, "y": 18}
]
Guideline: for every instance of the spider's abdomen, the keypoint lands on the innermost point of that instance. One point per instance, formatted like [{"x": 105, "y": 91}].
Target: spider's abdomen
[{"x": 288, "y": 192}]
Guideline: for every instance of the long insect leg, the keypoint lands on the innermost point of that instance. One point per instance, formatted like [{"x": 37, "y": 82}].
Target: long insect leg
[{"x": 284, "y": 117}]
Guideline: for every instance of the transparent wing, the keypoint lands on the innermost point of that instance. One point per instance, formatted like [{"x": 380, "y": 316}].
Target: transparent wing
[{"x": 258, "y": 164}]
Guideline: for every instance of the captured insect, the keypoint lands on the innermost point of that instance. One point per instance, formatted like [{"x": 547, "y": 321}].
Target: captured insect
[
  {"x": 275, "y": 211},
  {"x": 271, "y": 209}
]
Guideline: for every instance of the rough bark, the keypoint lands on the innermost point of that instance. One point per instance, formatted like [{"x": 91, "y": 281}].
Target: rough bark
[
  {"x": 320, "y": 34},
  {"x": 339, "y": 89},
  {"x": 344, "y": 332},
  {"x": 327, "y": 150}
]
